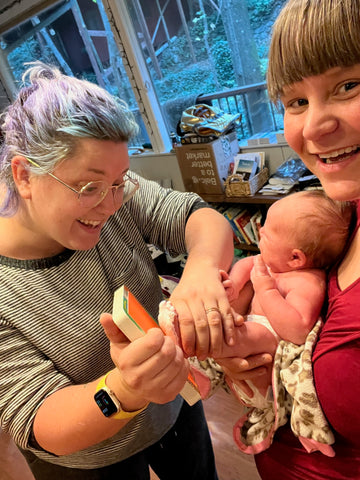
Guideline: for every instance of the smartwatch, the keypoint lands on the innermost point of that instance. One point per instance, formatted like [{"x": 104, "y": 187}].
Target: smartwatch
[{"x": 109, "y": 404}]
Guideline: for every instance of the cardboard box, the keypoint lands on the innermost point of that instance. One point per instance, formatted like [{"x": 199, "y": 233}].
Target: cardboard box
[{"x": 205, "y": 166}]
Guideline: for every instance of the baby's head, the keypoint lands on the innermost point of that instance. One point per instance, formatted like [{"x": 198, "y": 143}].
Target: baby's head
[{"x": 305, "y": 230}]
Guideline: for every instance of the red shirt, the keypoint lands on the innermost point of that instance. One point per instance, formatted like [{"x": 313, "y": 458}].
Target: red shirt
[{"x": 336, "y": 366}]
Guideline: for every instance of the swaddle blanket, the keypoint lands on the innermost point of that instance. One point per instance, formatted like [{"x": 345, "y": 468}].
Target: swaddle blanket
[{"x": 293, "y": 396}]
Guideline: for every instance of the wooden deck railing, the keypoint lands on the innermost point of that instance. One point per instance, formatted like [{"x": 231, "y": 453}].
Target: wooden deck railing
[{"x": 235, "y": 100}]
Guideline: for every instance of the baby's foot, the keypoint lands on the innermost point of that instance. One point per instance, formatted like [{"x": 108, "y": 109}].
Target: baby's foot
[{"x": 168, "y": 321}]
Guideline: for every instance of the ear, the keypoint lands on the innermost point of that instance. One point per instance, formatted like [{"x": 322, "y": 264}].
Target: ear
[
  {"x": 297, "y": 259},
  {"x": 21, "y": 175}
]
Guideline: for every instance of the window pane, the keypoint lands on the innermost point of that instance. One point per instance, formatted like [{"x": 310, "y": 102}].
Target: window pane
[
  {"x": 77, "y": 38},
  {"x": 201, "y": 51}
]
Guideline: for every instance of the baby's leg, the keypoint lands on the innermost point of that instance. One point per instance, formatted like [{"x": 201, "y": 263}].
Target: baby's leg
[{"x": 252, "y": 338}]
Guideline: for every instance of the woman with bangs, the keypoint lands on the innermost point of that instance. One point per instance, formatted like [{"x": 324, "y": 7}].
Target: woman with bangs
[{"x": 314, "y": 71}]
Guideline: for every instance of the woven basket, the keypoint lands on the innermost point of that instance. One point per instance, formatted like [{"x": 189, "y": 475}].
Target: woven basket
[{"x": 235, "y": 186}]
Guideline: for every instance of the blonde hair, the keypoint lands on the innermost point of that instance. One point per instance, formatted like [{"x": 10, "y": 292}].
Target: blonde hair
[
  {"x": 310, "y": 37},
  {"x": 327, "y": 227}
]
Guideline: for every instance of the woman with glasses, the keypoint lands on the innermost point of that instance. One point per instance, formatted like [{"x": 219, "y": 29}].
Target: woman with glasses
[{"x": 75, "y": 226}]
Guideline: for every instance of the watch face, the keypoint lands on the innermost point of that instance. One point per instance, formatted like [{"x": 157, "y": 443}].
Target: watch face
[{"x": 105, "y": 403}]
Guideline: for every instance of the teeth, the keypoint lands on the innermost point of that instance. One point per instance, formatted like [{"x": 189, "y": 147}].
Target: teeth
[
  {"x": 339, "y": 152},
  {"x": 91, "y": 223}
]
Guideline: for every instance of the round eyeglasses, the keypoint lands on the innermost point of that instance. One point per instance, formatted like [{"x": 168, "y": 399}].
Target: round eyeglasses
[{"x": 93, "y": 193}]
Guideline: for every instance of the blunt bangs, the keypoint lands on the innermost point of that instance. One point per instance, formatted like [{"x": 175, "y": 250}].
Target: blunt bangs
[{"x": 310, "y": 37}]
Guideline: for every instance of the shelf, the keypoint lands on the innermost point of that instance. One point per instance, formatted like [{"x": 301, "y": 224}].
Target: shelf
[
  {"x": 257, "y": 198},
  {"x": 263, "y": 202},
  {"x": 245, "y": 246}
]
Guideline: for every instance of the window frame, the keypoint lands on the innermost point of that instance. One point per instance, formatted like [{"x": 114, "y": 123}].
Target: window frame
[
  {"x": 140, "y": 80},
  {"x": 129, "y": 49}
]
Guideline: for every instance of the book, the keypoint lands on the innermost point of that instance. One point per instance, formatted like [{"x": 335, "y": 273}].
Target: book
[
  {"x": 279, "y": 189},
  {"x": 134, "y": 321},
  {"x": 255, "y": 221},
  {"x": 230, "y": 213},
  {"x": 242, "y": 220},
  {"x": 260, "y": 159},
  {"x": 245, "y": 166}
]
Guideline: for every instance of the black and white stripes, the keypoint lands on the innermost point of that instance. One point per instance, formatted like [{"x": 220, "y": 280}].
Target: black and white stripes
[{"x": 50, "y": 335}]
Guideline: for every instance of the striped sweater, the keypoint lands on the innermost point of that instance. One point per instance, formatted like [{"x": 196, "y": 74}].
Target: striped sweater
[{"x": 50, "y": 335}]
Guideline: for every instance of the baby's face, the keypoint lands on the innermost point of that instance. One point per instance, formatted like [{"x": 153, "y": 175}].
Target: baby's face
[{"x": 275, "y": 239}]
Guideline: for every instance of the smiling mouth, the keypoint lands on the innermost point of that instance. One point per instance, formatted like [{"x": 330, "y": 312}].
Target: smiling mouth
[
  {"x": 339, "y": 155},
  {"x": 89, "y": 223}
]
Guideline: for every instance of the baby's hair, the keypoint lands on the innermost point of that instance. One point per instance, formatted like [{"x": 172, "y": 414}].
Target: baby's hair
[
  {"x": 51, "y": 113},
  {"x": 327, "y": 227},
  {"x": 310, "y": 37}
]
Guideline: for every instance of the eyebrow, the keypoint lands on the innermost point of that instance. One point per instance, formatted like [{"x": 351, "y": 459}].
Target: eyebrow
[
  {"x": 95, "y": 170},
  {"x": 102, "y": 172}
]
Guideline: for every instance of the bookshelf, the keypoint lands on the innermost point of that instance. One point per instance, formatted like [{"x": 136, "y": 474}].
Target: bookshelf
[
  {"x": 256, "y": 199},
  {"x": 262, "y": 201},
  {"x": 245, "y": 246}
]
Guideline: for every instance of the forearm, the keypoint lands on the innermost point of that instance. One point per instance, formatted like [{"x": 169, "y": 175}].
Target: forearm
[
  {"x": 69, "y": 420},
  {"x": 243, "y": 301},
  {"x": 285, "y": 319},
  {"x": 149, "y": 369},
  {"x": 209, "y": 240}
]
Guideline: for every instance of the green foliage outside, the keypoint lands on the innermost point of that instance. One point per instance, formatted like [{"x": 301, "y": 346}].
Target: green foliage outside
[
  {"x": 181, "y": 76},
  {"x": 27, "y": 52},
  {"x": 261, "y": 9},
  {"x": 179, "y": 72}
]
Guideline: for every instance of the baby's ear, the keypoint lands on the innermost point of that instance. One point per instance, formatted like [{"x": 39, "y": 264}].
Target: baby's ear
[
  {"x": 298, "y": 259},
  {"x": 21, "y": 175}
]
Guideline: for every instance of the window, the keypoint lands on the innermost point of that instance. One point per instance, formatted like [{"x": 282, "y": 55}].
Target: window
[
  {"x": 209, "y": 50},
  {"x": 75, "y": 36},
  {"x": 173, "y": 53}
]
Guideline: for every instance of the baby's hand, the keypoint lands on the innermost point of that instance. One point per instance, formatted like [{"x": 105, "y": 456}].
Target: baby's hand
[
  {"x": 260, "y": 275},
  {"x": 229, "y": 286},
  {"x": 259, "y": 268}
]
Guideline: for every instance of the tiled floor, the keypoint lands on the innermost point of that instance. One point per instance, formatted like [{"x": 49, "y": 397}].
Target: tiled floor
[{"x": 222, "y": 411}]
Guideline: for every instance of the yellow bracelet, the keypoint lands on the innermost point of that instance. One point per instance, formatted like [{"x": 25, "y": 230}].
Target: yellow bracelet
[{"x": 109, "y": 404}]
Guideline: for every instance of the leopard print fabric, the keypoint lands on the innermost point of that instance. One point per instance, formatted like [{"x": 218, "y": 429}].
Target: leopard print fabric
[{"x": 294, "y": 397}]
